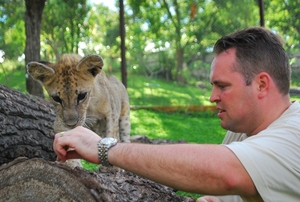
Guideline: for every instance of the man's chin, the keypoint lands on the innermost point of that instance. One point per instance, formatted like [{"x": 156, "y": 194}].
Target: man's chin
[{"x": 225, "y": 125}]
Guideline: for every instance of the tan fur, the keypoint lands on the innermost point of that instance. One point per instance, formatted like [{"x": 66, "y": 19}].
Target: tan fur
[{"x": 84, "y": 95}]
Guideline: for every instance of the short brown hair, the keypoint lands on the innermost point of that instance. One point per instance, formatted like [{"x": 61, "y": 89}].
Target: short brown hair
[{"x": 258, "y": 50}]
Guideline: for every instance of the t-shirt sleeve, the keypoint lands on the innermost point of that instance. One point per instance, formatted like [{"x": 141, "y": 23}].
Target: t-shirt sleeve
[{"x": 272, "y": 160}]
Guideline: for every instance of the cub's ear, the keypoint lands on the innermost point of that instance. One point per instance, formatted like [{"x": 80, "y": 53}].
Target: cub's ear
[
  {"x": 40, "y": 71},
  {"x": 91, "y": 63}
]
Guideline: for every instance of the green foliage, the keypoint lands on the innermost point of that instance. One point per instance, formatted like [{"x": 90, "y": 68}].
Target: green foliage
[
  {"x": 104, "y": 34},
  {"x": 12, "y": 32},
  {"x": 63, "y": 26},
  {"x": 189, "y": 40}
]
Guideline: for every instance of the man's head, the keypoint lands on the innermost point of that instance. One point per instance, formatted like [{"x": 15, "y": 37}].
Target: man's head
[
  {"x": 258, "y": 50},
  {"x": 250, "y": 76}
]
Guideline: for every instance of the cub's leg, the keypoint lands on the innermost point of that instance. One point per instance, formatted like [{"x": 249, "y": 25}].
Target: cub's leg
[
  {"x": 99, "y": 127},
  {"x": 124, "y": 123},
  {"x": 112, "y": 126}
]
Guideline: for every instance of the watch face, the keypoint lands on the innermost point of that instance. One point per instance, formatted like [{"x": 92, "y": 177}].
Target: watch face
[{"x": 109, "y": 141}]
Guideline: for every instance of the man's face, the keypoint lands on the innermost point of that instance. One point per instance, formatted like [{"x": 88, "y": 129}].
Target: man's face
[{"x": 235, "y": 101}]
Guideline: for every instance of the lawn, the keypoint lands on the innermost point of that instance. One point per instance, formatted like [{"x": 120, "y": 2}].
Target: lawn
[{"x": 158, "y": 92}]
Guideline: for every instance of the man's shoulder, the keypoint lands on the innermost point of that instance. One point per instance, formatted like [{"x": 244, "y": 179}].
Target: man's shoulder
[{"x": 234, "y": 137}]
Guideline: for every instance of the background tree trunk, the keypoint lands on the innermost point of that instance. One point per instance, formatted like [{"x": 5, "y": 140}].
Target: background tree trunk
[
  {"x": 26, "y": 131},
  {"x": 180, "y": 76},
  {"x": 33, "y": 18}
]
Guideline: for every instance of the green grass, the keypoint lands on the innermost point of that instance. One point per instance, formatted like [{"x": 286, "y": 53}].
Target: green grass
[
  {"x": 148, "y": 92},
  {"x": 203, "y": 127},
  {"x": 13, "y": 76}
]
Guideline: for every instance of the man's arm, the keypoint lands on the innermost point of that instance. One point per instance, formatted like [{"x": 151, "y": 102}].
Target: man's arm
[{"x": 205, "y": 169}]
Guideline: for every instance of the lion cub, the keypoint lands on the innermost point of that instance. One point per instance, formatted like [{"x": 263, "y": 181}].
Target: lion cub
[{"x": 84, "y": 96}]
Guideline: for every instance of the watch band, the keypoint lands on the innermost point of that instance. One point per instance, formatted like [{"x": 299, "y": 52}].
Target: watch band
[
  {"x": 103, "y": 147},
  {"x": 102, "y": 154}
]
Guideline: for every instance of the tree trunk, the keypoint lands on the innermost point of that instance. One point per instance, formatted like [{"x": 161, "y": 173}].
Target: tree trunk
[
  {"x": 25, "y": 126},
  {"x": 33, "y": 18},
  {"x": 180, "y": 77},
  {"x": 26, "y": 131}
]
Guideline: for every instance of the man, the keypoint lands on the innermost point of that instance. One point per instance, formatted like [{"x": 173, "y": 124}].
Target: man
[{"x": 259, "y": 159}]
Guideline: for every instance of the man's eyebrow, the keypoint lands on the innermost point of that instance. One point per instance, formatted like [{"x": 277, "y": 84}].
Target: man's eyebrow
[
  {"x": 215, "y": 82},
  {"x": 218, "y": 82}
]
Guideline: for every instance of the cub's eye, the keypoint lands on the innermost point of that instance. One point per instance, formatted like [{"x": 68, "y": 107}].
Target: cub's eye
[
  {"x": 81, "y": 97},
  {"x": 56, "y": 99}
]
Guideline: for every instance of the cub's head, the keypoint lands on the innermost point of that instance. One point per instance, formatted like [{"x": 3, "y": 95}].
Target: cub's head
[{"x": 69, "y": 84}]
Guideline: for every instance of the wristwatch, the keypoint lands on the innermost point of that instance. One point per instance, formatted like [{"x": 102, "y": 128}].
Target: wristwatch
[{"x": 103, "y": 146}]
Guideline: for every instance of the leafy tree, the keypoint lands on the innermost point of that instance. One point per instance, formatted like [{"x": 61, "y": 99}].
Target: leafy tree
[
  {"x": 103, "y": 35},
  {"x": 12, "y": 32},
  {"x": 165, "y": 21},
  {"x": 190, "y": 39},
  {"x": 63, "y": 26},
  {"x": 284, "y": 17}
]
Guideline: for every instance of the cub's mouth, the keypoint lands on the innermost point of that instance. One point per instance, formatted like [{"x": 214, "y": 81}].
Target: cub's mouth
[{"x": 72, "y": 120}]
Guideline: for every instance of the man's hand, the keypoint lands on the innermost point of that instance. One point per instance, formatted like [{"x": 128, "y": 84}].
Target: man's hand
[{"x": 78, "y": 143}]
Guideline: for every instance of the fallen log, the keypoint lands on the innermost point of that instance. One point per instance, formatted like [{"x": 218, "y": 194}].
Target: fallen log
[
  {"x": 25, "y": 126},
  {"x": 39, "y": 180}
]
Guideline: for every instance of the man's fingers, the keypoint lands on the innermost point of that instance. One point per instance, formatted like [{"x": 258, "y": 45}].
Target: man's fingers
[
  {"x": 65, "y": 154},
  {"x": 72, "y": 154},
  {"x": 61, "y": 146}
]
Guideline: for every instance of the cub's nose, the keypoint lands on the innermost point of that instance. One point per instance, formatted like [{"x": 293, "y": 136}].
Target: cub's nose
[
  {"x": 71, "y": 122},
  {"x": 70, "y": 117}
]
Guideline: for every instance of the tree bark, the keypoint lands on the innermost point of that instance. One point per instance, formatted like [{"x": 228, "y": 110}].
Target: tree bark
[
  {"x": 180, "y": 76},
  {"x": 33, "y": 18},
  {"x": 25, "y": 126},
  {"x": 39, "y": 180},
  {"x": 27, "y": 173}
]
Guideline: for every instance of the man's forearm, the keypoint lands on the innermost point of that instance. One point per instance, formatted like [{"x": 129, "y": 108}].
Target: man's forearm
[{"x": 192, "y": 168}]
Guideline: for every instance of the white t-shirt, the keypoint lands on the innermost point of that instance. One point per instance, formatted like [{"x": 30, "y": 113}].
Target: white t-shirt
[{"x": 271, "y": 157}]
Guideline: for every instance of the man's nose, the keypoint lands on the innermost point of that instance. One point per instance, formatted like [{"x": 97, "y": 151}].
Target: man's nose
[{"x": 214, "y": 97}]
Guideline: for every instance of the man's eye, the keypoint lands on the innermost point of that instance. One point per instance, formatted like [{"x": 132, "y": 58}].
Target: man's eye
[
  {"x": 56, "y": 99},
  {"x": 81, "y": 97},
  {"x": 222, "y": 86}
]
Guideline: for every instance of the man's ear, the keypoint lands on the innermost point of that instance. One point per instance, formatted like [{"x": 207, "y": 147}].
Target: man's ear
[
  {"x": 262, "y": 81},
  {"x": 91, "y": 63},
  {"x": 40, "y": 71}
]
